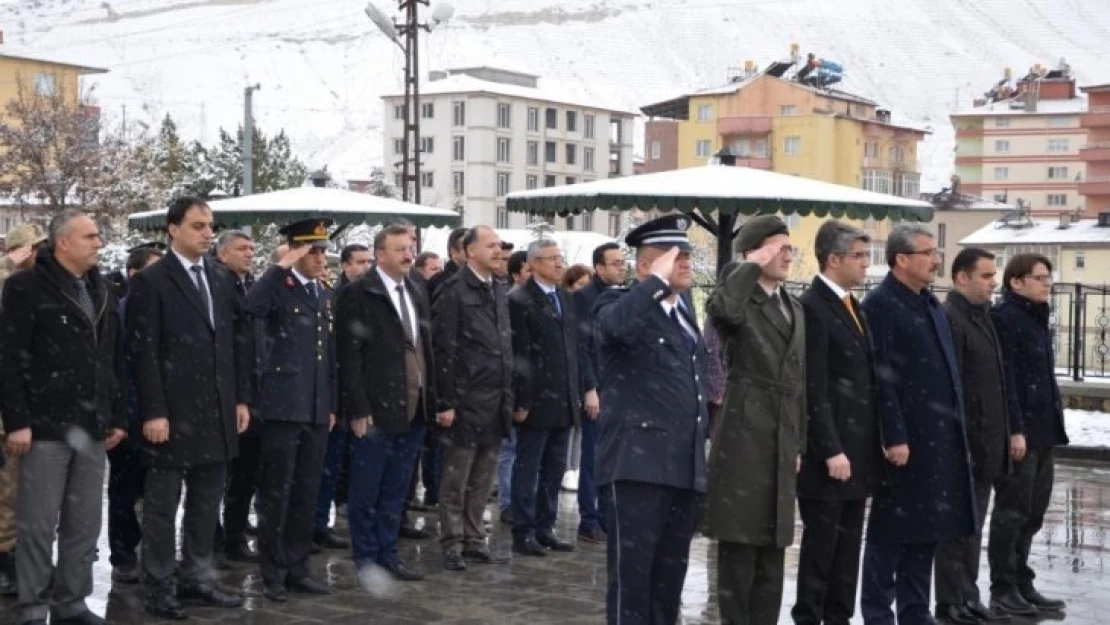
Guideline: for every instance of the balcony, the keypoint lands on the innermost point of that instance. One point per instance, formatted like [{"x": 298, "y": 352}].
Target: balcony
[
  {"x": 969, "y": 132},
  {"x": 1095, "y": 186},
  {"x": 1096, "y": 117},
  {"x": 1096, "y": 151},
  {"x": 744, "y": 125}
]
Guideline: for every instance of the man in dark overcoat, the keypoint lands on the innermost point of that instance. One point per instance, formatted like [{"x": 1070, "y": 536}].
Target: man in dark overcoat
[
  {"x": 189, "y": 338},
  {"x": 761, "y": 427},
  {"x": 651, "y": 449},
  {"x": 927, "y": 497}
]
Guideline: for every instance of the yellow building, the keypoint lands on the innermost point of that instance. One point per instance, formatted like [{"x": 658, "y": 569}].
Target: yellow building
[
  {"x": 783, "y": 125},
  {"x": 1079, "y": 249}
]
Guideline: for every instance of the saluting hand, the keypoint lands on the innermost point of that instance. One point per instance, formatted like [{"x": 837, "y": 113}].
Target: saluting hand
[
  {"x": 19, "y": 254},
  {"x": 359, "y": 427},
  {"x": 664, "y": 265},
  {"x": 769, "y": 251},
  {"x": 293, "y": 255},
  {"x": 157, "y": 430},
  {"x": 242, "y": 417}
]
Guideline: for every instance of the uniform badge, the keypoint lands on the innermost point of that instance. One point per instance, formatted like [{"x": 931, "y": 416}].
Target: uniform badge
[{"x": 681, "y": 223}]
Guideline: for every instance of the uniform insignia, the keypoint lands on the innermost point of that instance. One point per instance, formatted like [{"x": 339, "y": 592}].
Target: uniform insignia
[
  {"x": 321, "y": 229},
  {"x": 289, "y": 282},
  {"x": 681, "y": 223}
]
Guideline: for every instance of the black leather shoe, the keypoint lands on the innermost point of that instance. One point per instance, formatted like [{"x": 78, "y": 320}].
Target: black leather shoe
[
  {"x": 482, "y": 555},
  {"x": 454, "y": 562},
  {"x": 411, "y": 533},
  {"x": 327, "y": 539},
  {"x": 240, "y": 553},
  {"x": 84, "y": 618},
  {"x": 956, "y": 614},
  {"x": 209, "y": 595},
  {"x": 164, "y": 605},
  {"x": 553, "y": 543},
  {"x": 1012, "y": 603},
  {"x": 1041, "y": 602},
  {"x": 529, "y": 547},
  {"x": 307, "y": 586},
  {"x": 125, "y": 574},
  {"x": 594, "y": 535},
  {"x": 275, "y": 593},
  {"x": 985, "y": 614},
  {"x": 402, "y": 573}
]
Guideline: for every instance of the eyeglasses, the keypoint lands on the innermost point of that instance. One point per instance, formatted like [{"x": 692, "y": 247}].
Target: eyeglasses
[
  {"x": 552, "y": 259},
  {"x": 929, "y": 252},
  {"x": 1043, "y": 278},
  {"x": 855, "y": 255}
]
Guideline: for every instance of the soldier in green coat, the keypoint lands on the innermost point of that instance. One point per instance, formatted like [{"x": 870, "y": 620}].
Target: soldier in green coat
[{"x": 760, "y": 434}]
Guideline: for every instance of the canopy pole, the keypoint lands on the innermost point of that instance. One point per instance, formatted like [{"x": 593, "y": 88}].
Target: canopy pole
[
  {"x": 704, "y": 221},
  {"x": 725, "y": 224}
]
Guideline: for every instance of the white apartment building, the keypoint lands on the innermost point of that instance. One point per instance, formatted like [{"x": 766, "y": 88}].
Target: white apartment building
[{"x": 486, "y": 132}]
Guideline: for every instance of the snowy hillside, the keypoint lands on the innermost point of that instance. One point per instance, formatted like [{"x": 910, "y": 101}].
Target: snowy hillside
[{"x": 323, "y": 66}]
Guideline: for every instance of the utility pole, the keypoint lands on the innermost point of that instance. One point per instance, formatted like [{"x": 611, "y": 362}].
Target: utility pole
[{"x": 247, "y": 144}]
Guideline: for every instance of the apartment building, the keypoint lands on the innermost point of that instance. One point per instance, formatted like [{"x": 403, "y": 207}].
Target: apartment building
[{"x": 1095, "y": 153}]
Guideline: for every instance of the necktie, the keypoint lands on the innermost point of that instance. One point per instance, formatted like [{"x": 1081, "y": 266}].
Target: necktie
[
  {"x": 781, "y": 308},
  {"x": 311, "y": 286},
  {"x": 847, "y": 299},
  {"x": 406, "y": 320},
  {"x": 553, "y": 297},
  {"x": 198, "y": 279},
  {"x": 85, "y": 300},
  {"x": 691, "y": 340}
]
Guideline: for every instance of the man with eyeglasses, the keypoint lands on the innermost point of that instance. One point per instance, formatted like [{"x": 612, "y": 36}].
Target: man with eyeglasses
[
  {"x": 1021, "y": 499},
  {"x": 927, "y": 497}
]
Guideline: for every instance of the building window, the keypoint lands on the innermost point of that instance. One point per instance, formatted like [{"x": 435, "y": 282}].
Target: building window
[
  {"x": 550, "y": 152},
  {"x": 705, "y": 113},
  {"x": 614, "y": 223},
  {"x": 552, "y": 119},
  {"x": 504, "y": 115},
  {"x": 572, "y": 154},
  {"x": 571, "y": 180},
  {"x": 533, "y": 119},
  {"x": 458, "y": 113},
  {"x": 549, "y": 181},
  {"x": 703, "y": 148},
  {"x": 1001, "y": 173},
  {"x": 1080, "y": 260},
  {"x": 502, "y": 217},
  {"x": 427, "y": 179},
  {"x": 656, "y": 150},
  {"x": 398, "y": 181},
  {"x": 1057, "y": 173},
  {"x": 942, "y": 235},
  {"x": 1001, "y": 122},
  {"x": 788, "y": 110},
  {"x": 871, "y": 150},
  {"x": 1059, "y": 122},
  {"x": 428, "y": 110},
  {"x": 572, "y": 121},
  {"x": 591, "y": 126},
  {"x": 45, "y": 84},
  {"x": 587, "y": 221},
  {"x": 531, "y": 181},
  {"x": 502, "y": 183},
  {"x": 897, "y": 155},
  {"x": 878, "y": 180},
  {"x": 428, "y": 145},
  {"x": 398, "y": 111},
  {"x": 1002, "y": 145},
  {"x": 458, "y": 183},
  {"x": 458, "y": 148},
  {"x": 569, "y": 225},
  {"x": 398, "y": 146},
  {"x": 792, "y": 146},
  {"x": 1058, "y": 145},
  {"x": 533, "y": 153},
  {"x": 503, "y": 153},
  {"x": 588, "y": 159},
  {"x": 1057, "y": 199}
]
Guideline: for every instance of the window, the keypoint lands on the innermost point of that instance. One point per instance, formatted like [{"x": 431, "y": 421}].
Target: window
[
  {"x": 552, "y": 119},
  {"x": 1057, "y": 199},
  {"x": 572, "y": 121},
  {"x": 614, "y": 223},
  {"x": 549, "y": 181},
  {"x": 788, "y": 110},
  {"x": 591, "y": 126},
  {"x": 792, "y": 146},
  {"x": 504, "y": 115},
  {"x": 458, "y": 113},
  {"x": 1058, "y": 145},
  {"x": 502, "y": 217},
  {"x": 1001, "y": 122},
  {"x": 572, "y": 154},
  {"x": 705, "y": 113},
  {"x": 878, "y": 180},
  {"x": 569, "y": 222},
  {"x": 1059, "y": 122},
  {"x": 571, "y": 180},
  {"x": 458, "y": 183},
  {"x": 458, "y": 148},
  {"x": 427, "y": 179},
  {"x": 1001, "y": 173},
  {"x": 533, "y": 153},
  {"x": 588, "y": 159},
  {"x": 428, "y": 145},
  {"x": 398, "y": 146},
  {"x": 897, "y": 155},
  {"x": 398, "y": 111},
  {"x": 502, "y": 183},
  {"x": 656, "y": 150},
  {"x": 550, "y": 152},
  {"x": 503, "y": 153},
  {"x": 1057, "y": 173},
  {"x": 703, "y": 148},
  {"x": 942, "y": 235},
  {"x": 1002, "y": 145},
  {"x": 587, "y": 221},
  {"x": 871, "y": 150},
  {"x": 533, "y": 120},
  {"x": 397, "y": 181},
  {"x": 428, "y": 110},
  {"x": 1080, "y": 260},
  {"x": 531, "y": 181}
]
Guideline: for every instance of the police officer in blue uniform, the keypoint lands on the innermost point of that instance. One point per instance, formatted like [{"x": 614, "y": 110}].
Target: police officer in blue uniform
[
  {"x": 651, "y": 453},
  {"x": 296, "y": 404}
]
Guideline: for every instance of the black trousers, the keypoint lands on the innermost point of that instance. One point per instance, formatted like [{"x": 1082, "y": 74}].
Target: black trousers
[
  {"x": 828, "y": 565},
  {"x": 749, "y": 583},
  {"x": 541, "y": 460},
  {"x": 243, "y": 480},
  {"x": 1020, "y": 502},
  {"x": 899, "y": 572},
  {"x": 204, "y": 487},
  {"x": 957, "y": 561},
  {"x": 292, "y": 465},
  {"x": 125, "y": 488},
  {"x": 650, "y": 528}
]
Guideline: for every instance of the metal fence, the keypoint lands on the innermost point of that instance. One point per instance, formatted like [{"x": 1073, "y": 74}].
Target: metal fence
[{"x": 1079, "y": 322}]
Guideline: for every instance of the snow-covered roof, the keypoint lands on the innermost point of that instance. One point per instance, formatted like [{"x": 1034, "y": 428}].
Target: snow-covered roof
[
  {"x": 40, "y": 58},
  {"x": 1042, "y": 232},
  {"x": 577, "y": 247},
  {"x": 1044, "y": 107},
  {"x": 547, "y": 91}
]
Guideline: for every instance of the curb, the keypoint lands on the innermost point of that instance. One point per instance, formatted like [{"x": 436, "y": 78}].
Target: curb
[{"x": 1090, "y": 454}]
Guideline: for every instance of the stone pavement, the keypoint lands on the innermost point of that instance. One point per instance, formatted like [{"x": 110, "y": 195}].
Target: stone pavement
[{"x": 1069, "y": 555}]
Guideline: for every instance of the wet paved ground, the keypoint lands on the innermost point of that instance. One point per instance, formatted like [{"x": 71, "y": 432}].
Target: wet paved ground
[{"x": 1069, "y": 554}]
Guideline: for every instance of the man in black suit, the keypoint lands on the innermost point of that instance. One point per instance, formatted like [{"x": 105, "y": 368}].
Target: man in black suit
[
  {"x": 189, "y": 338},
  {"x": 651, "y": 452},
  {"x": 296, "y": 405},
  {"x": 545, "y": 390},
  {"x": 456, "y": 259},
  {"x": 842, "y": 455}
]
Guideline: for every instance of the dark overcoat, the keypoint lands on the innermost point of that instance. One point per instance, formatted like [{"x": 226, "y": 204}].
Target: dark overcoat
[
  {"x": 931, "y": 498},
  {"x": 545, "y": 358},
  {"x": 761, "y": 426},
  {"x": 188, "y": 370}
]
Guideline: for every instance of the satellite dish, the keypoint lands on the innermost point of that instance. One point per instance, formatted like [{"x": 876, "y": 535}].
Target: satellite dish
[
  {"x": 384, "y": 23},
  {"x": 442, "y": 12}
]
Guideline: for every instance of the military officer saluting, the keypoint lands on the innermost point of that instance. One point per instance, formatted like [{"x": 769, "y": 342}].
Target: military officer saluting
[
  {"x": 296, "y": 404},
  {"x": 651, "y": 452}
]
